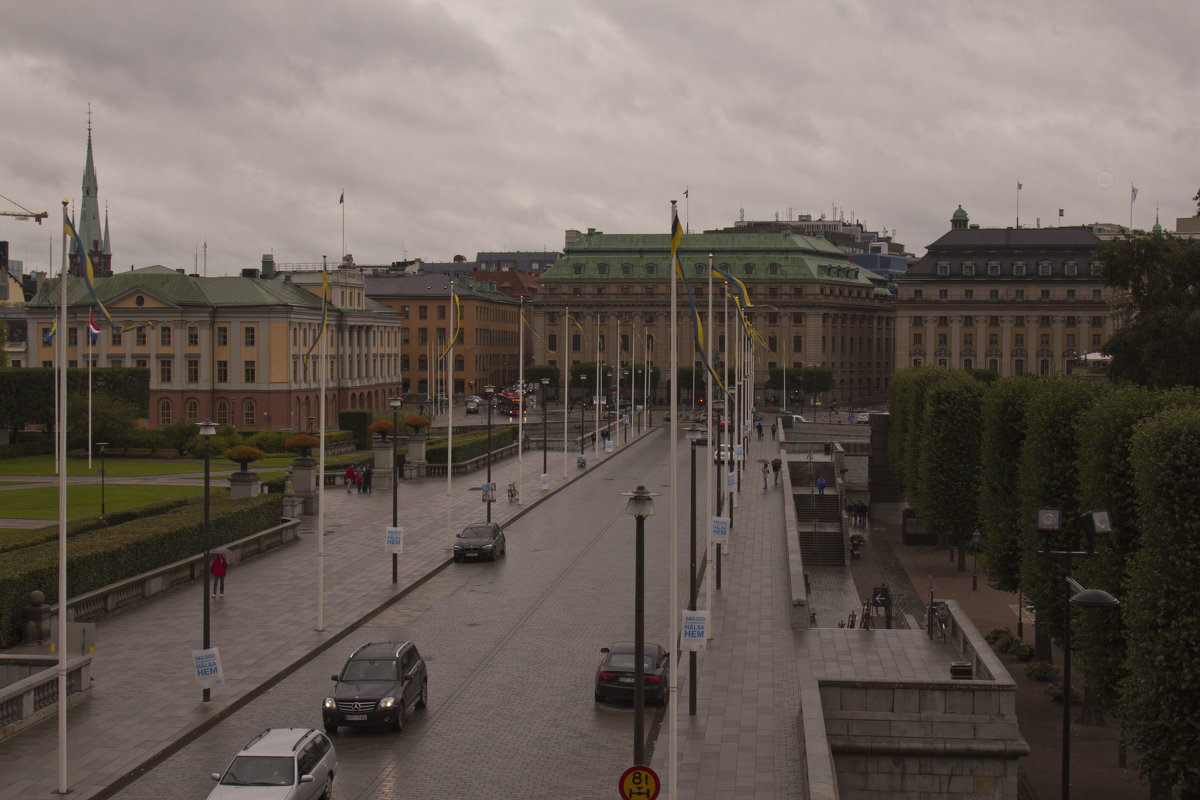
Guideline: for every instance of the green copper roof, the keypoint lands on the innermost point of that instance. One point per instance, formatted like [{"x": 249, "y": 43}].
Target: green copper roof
[
  {"x": 745, "y": 256},
  {"x": 959, "y": 214}
]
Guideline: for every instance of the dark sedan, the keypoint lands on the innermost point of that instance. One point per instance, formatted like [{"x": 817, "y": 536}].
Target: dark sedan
[
  {"x": 484, "y": 540},
  {"x": 614, "y": 676}
]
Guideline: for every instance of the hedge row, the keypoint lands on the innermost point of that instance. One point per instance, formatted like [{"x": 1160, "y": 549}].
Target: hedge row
[
  {"x": 79, "y": 526},
  {"x": 100, "y": 557},
  {"x": 43, "y": 447},
  {"x": 471, "y": 445}
]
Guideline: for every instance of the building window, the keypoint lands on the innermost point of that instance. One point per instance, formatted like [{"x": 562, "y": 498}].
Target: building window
[
  {"x": 1019, "y": 322},
  {"x": 222, "y": 336},
  {"x": 627, "y": 269},
  {"x": 1019, "y": 340},
  {"x": 193, "y": 370},
  {"x": 649, "y": 291},
  {"x": 943, "y": 339},
  {"x": 193, "y": 411},
  {"x": 968, "y": 294},
  {"x": 993, "y": 340},
  {"x": 943, "y": 322},
  {"x": 423, "y": 335},
  {"x": 1070, "y": 294},
  {"x": 599, "y": 291},
  {"x": 773, "y": 269},
  {"x": 918, "y": 340},
  {"x": 968, "y": 268},
  {"x": 918, "y": 294},
  {"x": 1072, "y": 322},
  {"x": 577, "y": 291},
  {"x": 1095, "y": 340},
  {"x": 164, "y": 412},
  {"x": 1045, "y": 294},
  {"x": 576, "y": 343},
  {"x": 1070, "y": 268},
  {"x": 164, "y": 336},
  {"x": 164, "y": 370},
  {"x": 1043, "y": 268},
  {"x": 441, "y": 312},
  {"x": 649, "y": 269},
  {"x": 422, "y": 312},
  {"x": 249, "y": 336},
  {"x": 1019, "y": 366},
  {"x": 943, "y": 268},
  {"x": 993, "y": 268},
  {"x": 193, "y": 334},
  {"x": 797, "y": 343},
  {"x": 968, "y": 340},
  {"x": 968, "y": 363},
  {"x": 1044, "y": 321},
  {"x": 140, "y": 363},
  {"x": 578, "y": 269},
  {"x": 943, "y": 294},
  {"x": 552, "y": 342},
  {"x": 649, "y": 318},
  {"x": 222, "y": 412},
  {"x": 993, "y": 294},
  {"x": 139, "y": 336},
  {"x": 1094, "y": 267},
  {"x": 249, "y": 414},
  {"x": 114, "y": 337},
  {"x": 248, "y": 372},
  {"x": 222, "y": 372},
  {"x": 749, "y": 268},
  {"x": 1097, "y": 322},
  {"x": 602, "y": 269},
  {"x": 918, "y": 321},
  {"x": 1018, "y": 268},
  {"x": 625, "y": 290},
  {"x": 1070, "y": 340},
  {"x": 1019, "y": 294}
]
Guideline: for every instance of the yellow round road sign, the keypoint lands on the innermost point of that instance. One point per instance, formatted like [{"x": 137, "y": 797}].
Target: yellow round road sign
[{"x": 639, "y": 783}]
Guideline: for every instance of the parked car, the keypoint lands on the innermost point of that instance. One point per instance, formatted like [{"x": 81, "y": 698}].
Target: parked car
[
  {"x": 724, "y": 452},
  {"x": 379, "y": 684},
  {"x": 283, "y": 763},
  {"x": 479, "y": 541},
  {"x": 472, "y": 406},
  {"x": 614, "y": 676},
  {"x": 862, "y": 418}
]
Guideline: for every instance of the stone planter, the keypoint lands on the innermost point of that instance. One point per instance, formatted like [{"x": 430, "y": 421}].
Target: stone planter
[
  {"x": 382, "y": 450},
  {"x": 244, "y": 484},
  {"x": 414, "y": 463},
  {"x": 303, "y": 485}
]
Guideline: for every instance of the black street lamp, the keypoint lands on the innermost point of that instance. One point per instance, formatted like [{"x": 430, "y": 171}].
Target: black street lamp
[
  {"x": 1092, "y": 523},
  {"x": 545, "y": 413},
  {"x": 488, "y": 390},
  {"x": 207, "y": 431},
  {"x": 640, "y": 506},
  {"x": 975, "y": 561},
  {"x": 395, "y": 403},
  {"x": 582, "y": 403},
  {"x": 102, "y": 445}
]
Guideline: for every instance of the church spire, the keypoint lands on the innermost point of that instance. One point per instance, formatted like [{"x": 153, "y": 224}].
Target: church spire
[{"x": 96, "y": 243}]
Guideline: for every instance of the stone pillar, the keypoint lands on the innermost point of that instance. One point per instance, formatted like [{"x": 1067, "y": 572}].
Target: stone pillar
[
  {"x": 415, "y": 464},
  {"x": 382, "y": 450},
  {"x": 244, "y": 484},
  {"x": 304, "y": 483}
]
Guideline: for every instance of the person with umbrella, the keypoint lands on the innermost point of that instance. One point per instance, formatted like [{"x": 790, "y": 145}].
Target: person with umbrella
[{"x": 219, "y": 565}]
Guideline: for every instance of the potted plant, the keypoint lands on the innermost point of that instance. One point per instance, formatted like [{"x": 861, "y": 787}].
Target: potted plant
[
  {"x": 243, "y": 454},
  {"x": 381, "y": 428},
  {"x": 417, "y": 423},
  {"x": 303, "y": 442}
]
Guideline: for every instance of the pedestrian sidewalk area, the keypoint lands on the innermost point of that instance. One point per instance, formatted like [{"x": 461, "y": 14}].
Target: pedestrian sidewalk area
[{"x": 274, "y": 616}]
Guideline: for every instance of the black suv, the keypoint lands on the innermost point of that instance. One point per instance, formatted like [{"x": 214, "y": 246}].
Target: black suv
[{"x": 380, "y": 683}]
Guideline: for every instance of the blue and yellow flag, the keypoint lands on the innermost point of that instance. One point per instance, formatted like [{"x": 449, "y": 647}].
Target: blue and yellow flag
[
  {"x": 48, "y": 336},
  {"x": 85, "y": 262},
  {"x": 458, "y": 327},
  {"x": 697, "y": 324},
  {"x": 324, "y": 313}
]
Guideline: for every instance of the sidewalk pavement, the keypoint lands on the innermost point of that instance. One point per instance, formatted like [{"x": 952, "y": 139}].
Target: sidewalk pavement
[{"x": 145, "y": 702}]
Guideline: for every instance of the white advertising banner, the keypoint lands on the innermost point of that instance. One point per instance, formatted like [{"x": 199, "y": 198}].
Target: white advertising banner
[
  {"x": 394, "y": 540},
  {"x": 694, "y": 632},
  {"x": 208, "y": 667}
]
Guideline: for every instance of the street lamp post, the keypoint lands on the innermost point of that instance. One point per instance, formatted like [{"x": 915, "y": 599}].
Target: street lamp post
[
  {"x": 488, "y": 390},
  {"x": 101, "y": 445},
  {"x": 207, "y": 431},
  {"x": 395, "y": 403},
  {"x": 975, "y": 561},
  {"x": 583, "y": 379},
  {"x": 1092, "y": 523},
  {"x": 545, "y": 413},
  {"x": 640, "y": 506}
]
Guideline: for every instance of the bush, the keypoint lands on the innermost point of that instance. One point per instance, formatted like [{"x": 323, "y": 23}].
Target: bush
[
  {"x": 1041, "y": 671},
  {"x": 1055, "y": 692},
  {"x": 35, "y": 447},
  {"x": 1024, "y": 651},
  {"x": 997, "y": 633},
  {"x": 1001, "y": 640},
  {"x": 471, "y": 445},
  {"x": 356, "y": 420},
  {"x": 268, "y": 441},
  {"x": 100, "y": 557},
  {"x": 243, "y": 454}
]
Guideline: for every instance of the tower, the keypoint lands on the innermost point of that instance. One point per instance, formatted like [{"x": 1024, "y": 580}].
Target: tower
[{"x": 95, "y": 242}]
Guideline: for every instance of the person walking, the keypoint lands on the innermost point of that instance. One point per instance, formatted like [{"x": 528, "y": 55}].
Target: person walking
[
  {"x": 367, "y": 473},
  {"x": 350, "y": 479},
  {"x": 821, "y": 487},
  {"x": 765, "y": 471},
  {"x": 776, "y": 466},
  {"x": 358, "y": 479},
  {"x": 219, "y": 564}
]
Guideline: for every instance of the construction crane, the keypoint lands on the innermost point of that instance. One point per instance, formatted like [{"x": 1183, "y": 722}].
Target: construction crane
[{"x": 24, "y": 213}]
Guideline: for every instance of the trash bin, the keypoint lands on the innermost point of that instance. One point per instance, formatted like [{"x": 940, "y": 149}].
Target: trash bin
[{"x": 961, "y": 670}]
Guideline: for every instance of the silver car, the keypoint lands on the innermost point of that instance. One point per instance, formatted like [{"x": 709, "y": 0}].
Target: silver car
[{"x": 280, "y": 764}]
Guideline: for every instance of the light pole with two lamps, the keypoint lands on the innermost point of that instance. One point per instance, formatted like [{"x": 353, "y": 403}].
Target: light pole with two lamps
[
  {"x": 207, "y": 431},
  {"x": 1092, "y": 523},
  {"x": 639, "y": 506},
  {"x": 395, "y": 403}
]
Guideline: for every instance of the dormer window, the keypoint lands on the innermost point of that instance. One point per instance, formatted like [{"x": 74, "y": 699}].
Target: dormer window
[
  {"x": 749, "y": 268},
  {"x": 649, "y": 269},
  {"x": 1018, "y": 268},
  {"x": 602, "y": 269},
  {"x": 1070, "y": 268},
  {"x": 993, "y": 268},
  {"x": 943, "y": 268},
  {"x": 1043, "y": 268},
  {"x": 626, "y": 269},
  {"x": 968, "y": 268},
  {"x": 578, "y": 269}
]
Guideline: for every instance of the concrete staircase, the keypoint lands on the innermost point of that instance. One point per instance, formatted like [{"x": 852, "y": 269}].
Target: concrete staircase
[{"x": 818, "y": 517}]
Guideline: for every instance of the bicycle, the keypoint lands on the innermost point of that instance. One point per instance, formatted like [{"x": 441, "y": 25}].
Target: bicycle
[{"x": 514, "y": 496}]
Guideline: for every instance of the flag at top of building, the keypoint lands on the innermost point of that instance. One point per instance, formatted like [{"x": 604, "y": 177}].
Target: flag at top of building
[
  {"x": 93, "y": 331},
  {"x": 1132, "y": 193}
]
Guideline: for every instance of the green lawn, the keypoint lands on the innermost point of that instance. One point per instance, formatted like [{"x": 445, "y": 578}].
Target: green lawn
[
  {"x": 128, "y": 467},
  {"x": 84, "y": 501}
]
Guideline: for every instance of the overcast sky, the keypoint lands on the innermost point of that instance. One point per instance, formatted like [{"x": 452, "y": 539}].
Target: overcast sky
[{"x": 455, "y": 127}]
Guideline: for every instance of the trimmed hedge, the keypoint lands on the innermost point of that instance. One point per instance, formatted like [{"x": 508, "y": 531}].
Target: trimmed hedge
[
  {"x": 356, "y": 420},
  {"x": 100, "y": 557},
  {"x": 76, "y": 527},
  {"x": 471, "y": 445},
  {"x": 42, "y": 447}
]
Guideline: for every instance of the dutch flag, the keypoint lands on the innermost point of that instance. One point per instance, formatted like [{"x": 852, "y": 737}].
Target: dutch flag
[{"x": 93, "y": 331}]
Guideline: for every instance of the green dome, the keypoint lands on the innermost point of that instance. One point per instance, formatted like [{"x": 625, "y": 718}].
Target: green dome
[{"x": 959, "y": 215}]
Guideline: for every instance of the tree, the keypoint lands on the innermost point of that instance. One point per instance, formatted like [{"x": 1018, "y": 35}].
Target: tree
[
  {"x": 1159, "y": 277},
  {"x": 1160, "y": 695},
  {"x": 1048, "y": 479},
  {"x": 1001, "y": 437},
  {"x": 906, "y": 401},
  {"x": 948, "y": 490},
  {"x": 113, "y": 419},
  {"x": 3, "y": 341}
]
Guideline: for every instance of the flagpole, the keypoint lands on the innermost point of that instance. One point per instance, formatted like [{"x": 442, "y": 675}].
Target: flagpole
[
  {"x": 343, "y": 205},
  {"x": 1132, "y": 197},
  {"x": 709, "y": 477},
  {"x": 521, "y": 396},
  {"x": 321, "y": 467},
  {"x": 1018, "y": 203},
  {"x": 89, "y": 358},
  {"x": 61, "y": 422},
  {"x": 565, "y": 395},
  {"x": 454, "y": 323},
  {"x": 673, "y": 575}
]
